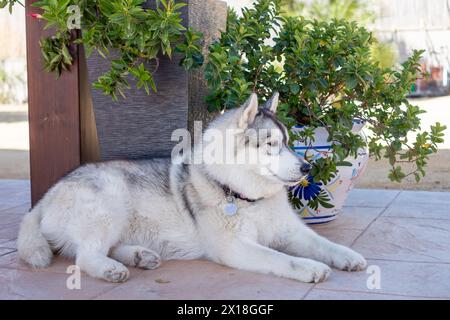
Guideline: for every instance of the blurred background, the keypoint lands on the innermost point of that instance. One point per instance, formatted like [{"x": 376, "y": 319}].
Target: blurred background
[
  {"x": 399, "y": 26},
  {"x": 13, "y": 96}
]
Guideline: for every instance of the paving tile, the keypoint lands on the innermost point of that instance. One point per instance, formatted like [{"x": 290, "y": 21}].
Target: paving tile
[
  {"x": 9, "y": 244},
  {"x": 321, "y": 294},
  {"x": 20, "y": 284},
  {"x": 15, "y": 186},
  {"x": 418, "y": 210},
  {"x": 2, "y": 241},
  {"x": 12, "y": 261},
  {"x": 428, "y": 280},
  {"x": 14, "y": 193},
  {"x": 9, "y": 219},
  {"x": 421, "y": 197},
  {"x": 205, "y": 280},
  {"x": 5, "y": 251},
  {"x": 374, "y": 198},
  {"x": 339, "y": 235},
  {"x": 9, "y": 231},
  {"x": 12, "y": 216},
  {"x": 354, "y": 218},
  {"x": 17, "y": 210},
  {"x": 348, "y": 225},
  {"x": 13, "y": 201},
  {"x": 404, "y": 239},
  {"x": 410, "y": 242}
]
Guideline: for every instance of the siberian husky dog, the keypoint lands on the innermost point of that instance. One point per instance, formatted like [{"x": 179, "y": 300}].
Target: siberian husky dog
[{"x": 137, "y": 213}]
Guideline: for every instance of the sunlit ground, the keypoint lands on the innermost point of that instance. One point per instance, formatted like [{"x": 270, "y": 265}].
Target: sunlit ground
[
  {"x": 14, "y": 145},
  {"x": 438, "y": 172}
]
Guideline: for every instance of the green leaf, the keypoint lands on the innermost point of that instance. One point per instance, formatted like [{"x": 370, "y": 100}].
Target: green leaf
[
  {"x": 351, "y": 83},
  {"x": 344, "y": 164},
  {"x": 295, "y": 88},
  {"x": 135, "y": 33}
]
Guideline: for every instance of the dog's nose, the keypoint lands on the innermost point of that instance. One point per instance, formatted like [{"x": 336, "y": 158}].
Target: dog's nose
[{"x": 305, "y": 168}]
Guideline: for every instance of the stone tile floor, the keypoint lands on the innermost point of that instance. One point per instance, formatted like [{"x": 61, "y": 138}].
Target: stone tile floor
[{"x": 404, "y": 235}]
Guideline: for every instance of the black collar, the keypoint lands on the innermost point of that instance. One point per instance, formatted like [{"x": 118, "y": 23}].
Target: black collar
[{"x": 231, "y": 193}]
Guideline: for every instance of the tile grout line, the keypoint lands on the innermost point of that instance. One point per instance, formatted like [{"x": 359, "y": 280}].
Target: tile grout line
[
  {"x": 12, "y": 268},
  {"x": 4, "y": 254},
  {"x": 379, "y": 293},
  {"x": 362, "y": 231},
  {"x": 308, "y": 291},
  {"x": 409, "y": 261},
  {"x": 417, "y": 218},
  {"x": 365, "y": 207},
  {"x": 5, "y": 210},
  {"x": 3, "y": 241},
  {"x": 105, "y": 292},
  {"x": 376, "y": 218},
  {"x": 113, "y": 288},
  {"x": 9, "y": 225}
]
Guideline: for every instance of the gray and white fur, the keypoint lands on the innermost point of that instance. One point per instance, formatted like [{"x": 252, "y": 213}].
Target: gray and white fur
[{"x": 137, "y": 213}]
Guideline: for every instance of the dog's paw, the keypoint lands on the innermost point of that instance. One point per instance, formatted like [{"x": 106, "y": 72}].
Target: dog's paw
[
  {"x": 349, "y": 260},
  {"x": 312, "y": 271},
  {"x": 117, "y": 273},
  {"x": 320, "y": 274},
  {"x": 147, "y": 259}
]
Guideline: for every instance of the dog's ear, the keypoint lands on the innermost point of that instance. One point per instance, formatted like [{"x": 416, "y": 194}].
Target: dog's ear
[
  {"x": 249, "y": 111},
  {"x": 272, "y": 103}
]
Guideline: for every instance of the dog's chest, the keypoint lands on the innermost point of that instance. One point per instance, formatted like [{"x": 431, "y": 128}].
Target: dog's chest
[{"x": 258, "y": 220}]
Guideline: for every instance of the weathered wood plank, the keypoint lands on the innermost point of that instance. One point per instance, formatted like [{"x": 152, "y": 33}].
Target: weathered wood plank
[{"x": 53, "y": 114}]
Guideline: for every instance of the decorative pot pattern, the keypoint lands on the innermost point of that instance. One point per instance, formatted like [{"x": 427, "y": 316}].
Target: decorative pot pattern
[{"x": 337, "y": 189}]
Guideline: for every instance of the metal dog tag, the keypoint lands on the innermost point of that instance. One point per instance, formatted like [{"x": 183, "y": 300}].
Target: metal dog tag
[{"x": 230, "y": 208}]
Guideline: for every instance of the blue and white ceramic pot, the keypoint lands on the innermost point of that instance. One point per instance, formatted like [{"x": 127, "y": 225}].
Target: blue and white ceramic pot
[{"x": 338, "y": 189}]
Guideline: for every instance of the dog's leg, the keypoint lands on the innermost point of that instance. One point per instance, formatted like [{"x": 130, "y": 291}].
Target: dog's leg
[
  {"x": 98, "y": 265},
  {"x": 300, "y": 240},
  {"x": 251, "y": 256},
  {"x": 136, "y": 256}
]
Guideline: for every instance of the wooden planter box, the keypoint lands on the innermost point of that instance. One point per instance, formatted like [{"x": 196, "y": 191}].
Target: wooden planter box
[{"x": 71, "y": 124}]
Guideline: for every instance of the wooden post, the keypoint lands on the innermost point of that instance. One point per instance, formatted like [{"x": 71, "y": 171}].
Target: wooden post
[{"x": 53, "y": 114}]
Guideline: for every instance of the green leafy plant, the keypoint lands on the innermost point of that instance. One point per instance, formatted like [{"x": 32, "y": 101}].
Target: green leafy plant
[
  {"x": 137, "y": 35},
  {"x": 10, "y": 4},
  {"x": 326, "y": 10},
  {"x": 326, "y": 78},
  {"x": 350, "y": 10}
]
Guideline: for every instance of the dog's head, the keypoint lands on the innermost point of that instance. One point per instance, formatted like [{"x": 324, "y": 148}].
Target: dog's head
[{"x": 255, "y": 145}]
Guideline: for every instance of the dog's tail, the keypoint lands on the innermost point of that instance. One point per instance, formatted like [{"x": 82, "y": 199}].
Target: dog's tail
[{"x": 32, "y": 246}]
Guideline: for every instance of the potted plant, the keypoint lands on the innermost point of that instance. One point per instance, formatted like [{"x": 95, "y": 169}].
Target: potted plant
[{"x": 330, "y": 88}]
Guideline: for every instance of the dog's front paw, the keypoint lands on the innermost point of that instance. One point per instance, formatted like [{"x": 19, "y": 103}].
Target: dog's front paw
[
  {"x": 348, "y": 260},
  {"x": 311, "y": 271},
  {"x": 147, "y": 259},
  {"x": 116, "y": 273}
]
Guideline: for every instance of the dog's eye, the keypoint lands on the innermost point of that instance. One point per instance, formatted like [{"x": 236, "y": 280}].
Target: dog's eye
[{"x": 273, "y": 147}]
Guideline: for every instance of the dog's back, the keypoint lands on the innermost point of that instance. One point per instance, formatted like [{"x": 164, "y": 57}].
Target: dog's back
[{"x": 120, "y": 201}]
